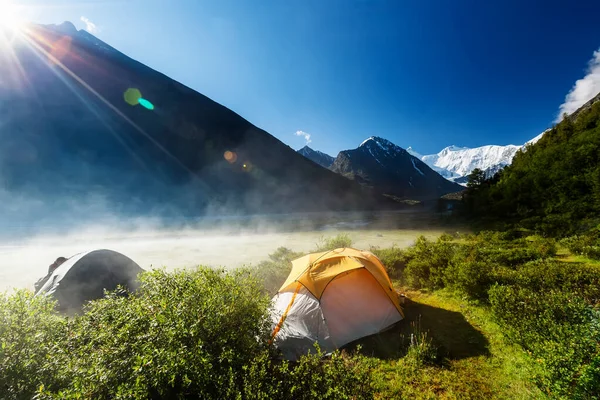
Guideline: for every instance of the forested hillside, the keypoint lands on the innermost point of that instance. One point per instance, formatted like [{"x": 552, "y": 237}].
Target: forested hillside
[{"x": 552, "y": 186}]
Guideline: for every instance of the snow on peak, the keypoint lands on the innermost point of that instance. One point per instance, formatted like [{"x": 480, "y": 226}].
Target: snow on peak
[
  {"x": 380, "y": 142},
  {"x": 413, "y": 153},
  {"x": 461, "y": 161},
  {"x": 367, "y": 140},
  {"x": 455, "y": 162},
  {"x": 380, "y": 148},
  {"x": 452, "y": 148},
  {"x": 537, "y": 138},
  {"x": 415, "y": 166}
]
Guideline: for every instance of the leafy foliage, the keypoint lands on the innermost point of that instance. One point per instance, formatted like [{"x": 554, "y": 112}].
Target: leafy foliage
[
  {"x": 393, "y": 259},
  {"x": 342, "y": 240},
  {"x": 273, "y": 272},
  {"x": 560, "y": 330},
  {"x": 586, "y": 244},
  {"x": 30, "y": 331},
  {"x": 201, "y": 334},
  {"x": 549, "y": 307},
  {"x": 553, "y": 186}
]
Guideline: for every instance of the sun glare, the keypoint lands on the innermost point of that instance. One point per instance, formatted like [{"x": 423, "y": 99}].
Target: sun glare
[{"x": 9, "y": 15}]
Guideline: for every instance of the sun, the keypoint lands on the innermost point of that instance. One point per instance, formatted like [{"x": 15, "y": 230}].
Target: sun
[{"x": 9, "y": 15}]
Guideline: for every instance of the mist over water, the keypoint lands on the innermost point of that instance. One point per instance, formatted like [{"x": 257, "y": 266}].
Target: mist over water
[{"x": 219, "y": 241}]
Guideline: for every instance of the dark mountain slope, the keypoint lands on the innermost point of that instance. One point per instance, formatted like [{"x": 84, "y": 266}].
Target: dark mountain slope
[
  {"x": 324, "y": 160},
  {"x": 380, "y": 164},
  {"x": 69, "y": 139}
]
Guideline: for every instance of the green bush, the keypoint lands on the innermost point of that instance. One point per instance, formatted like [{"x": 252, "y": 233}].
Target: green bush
[
  {"x": 545, "y": 305},
  {"x": 561, "y": 331},
  {"x": 427, "y": 262},
  {"x": 393, "y": 260},
  {"x": 187, "y": 334},
  {"x": 339, "y": 377},
  {"x": 587, "y": 245},
  {"x": 575, "y": 278},
  {"x": 592, "y": 252},
  {"x": 512, "y": 234},
  {"x": 545, "y": 247},
  {"x": 342, "y": 240},
  {"x": 30, "y": 334},
  {"x": 182, "y": 333},
  {"x": 510, "y": 257},
  {"x": 470, "y": 277},
  {"x": 273, "y": 272}
]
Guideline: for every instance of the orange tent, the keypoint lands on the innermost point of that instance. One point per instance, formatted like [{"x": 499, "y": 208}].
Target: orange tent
[{"x": 333, "y": 298}]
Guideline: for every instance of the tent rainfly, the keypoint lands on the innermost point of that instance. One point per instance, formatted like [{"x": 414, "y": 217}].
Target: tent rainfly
[
  {"x": 85, "y": 276},
  {"x": 332, "y": 299}
]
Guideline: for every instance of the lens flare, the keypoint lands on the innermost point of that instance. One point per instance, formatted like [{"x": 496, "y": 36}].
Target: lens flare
[
  {"x": 9, "y": 15},
  {"x": 247, "y": 166},
  {"x": 145, "y": 103},
  {"x": 230, "y": 156},
  {"x": 61, "y": 48},
  {"x": 132, "y": 96}
]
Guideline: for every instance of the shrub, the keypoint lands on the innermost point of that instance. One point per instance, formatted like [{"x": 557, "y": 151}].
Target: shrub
[
  {"x": 575, "y": 278},
  {"x": 587, "y": 244},
  {"x": 339, "y": 377},
  {"x": 274, "y": 271},
  {"x": 30, "y": 334},
  {"x": 393, "y": 260},
  {"x": 470, "y": 277},
  {"x": 545, "y": 247},
  {"x": 198, "y": 334},
  {"x": 512, "y": 234},
  {"x": 510, "y": 257},
  {"x": 592, "y": 252},
  {"x": 182, "y": 333},
  {"x": 558, "y": 329},
  {"x": 427, "y": 262},
  {"x": 340, "y": 241},
  {"x": 575, "y": 244},
  {"x": 446, "y": 237}
]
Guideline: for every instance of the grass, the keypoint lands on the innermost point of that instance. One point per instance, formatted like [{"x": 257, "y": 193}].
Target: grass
[
  {"x": 449, "y": 346},
  {"x": 564, "y": 255},
  {"x": 474, "y": 359}
]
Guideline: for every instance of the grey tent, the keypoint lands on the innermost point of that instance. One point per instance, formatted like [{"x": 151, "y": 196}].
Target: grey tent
[{"x": 85, "y": 276}]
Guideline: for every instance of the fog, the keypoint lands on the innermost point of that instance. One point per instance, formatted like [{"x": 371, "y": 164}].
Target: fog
[{"x": 228, "y": 243}]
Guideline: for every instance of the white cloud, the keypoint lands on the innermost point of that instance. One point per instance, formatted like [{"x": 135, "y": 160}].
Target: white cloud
[
  {"x": 305, "y": 135},
  {"x": 584, "y": 89},
  {"x": 89, "y": 25}
]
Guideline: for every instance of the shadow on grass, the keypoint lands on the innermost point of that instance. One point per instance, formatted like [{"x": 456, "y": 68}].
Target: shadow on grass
[{"x": 450, "y": 332}]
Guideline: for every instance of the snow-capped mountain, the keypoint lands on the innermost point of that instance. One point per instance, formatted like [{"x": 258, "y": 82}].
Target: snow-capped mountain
[
  {"x": 536, "y": 139},
  {"x": 324, "y": 160},
  {"x": 381, "y": 164},
  {"x": 456, "y": 163}
]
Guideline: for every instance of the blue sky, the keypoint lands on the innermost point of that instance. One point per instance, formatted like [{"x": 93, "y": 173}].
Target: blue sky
[{"x": 425, "y": 74}]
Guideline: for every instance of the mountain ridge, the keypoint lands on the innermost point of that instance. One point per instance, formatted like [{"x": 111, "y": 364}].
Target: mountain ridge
[
  {"x": 385, "y": 166},
  {"x": 323, "y": 159},
  {"x": 71, "y": 137},
  {"x": 456, "y": 163}
]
